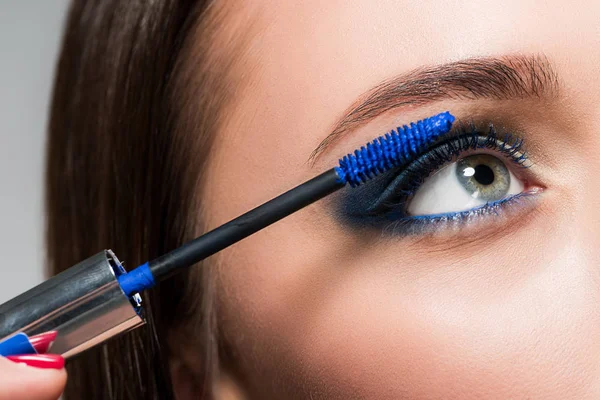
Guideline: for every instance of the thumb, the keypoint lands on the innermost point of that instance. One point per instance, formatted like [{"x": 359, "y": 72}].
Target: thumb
[{"x": 21, "y": 382}]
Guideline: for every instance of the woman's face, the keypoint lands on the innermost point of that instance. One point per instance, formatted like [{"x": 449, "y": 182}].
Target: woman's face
[{"x": 332, "y": 303}]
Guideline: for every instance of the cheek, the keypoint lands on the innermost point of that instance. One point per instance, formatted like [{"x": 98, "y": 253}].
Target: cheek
[{"x": 309, "y": 316}]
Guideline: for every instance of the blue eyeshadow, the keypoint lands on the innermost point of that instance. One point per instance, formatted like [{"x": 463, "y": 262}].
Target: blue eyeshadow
[{"x": 353, "y": 207}]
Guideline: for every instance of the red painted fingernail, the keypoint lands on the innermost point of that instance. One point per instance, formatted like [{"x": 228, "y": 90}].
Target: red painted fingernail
[
  {"x": 42, "y": 342},
  {"x": 46, "y": 361}
]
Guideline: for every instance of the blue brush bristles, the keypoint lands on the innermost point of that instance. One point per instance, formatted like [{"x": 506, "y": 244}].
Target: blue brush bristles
[{"x": 393, "y": 149}]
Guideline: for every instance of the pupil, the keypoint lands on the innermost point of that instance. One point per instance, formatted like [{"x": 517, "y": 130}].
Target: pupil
[{"x": 483, "y": 174}]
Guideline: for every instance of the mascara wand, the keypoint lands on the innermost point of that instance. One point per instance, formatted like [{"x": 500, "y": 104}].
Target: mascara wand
[
  {"x": 97, "y": 299},
  {"x": 376, "y": 157}
]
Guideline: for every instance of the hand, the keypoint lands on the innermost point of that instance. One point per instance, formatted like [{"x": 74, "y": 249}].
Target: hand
[{"x": 21, "y": 381}]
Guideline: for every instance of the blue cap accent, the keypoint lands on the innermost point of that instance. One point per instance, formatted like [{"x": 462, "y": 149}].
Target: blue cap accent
[
  {"x": 15, "y": 345},
  {"x": 137, "y": 280},
  {"x": 394, "y": 149}
]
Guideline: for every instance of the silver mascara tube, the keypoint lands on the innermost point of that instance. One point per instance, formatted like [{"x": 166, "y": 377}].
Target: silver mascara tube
[{"x": 84, "y": 305}]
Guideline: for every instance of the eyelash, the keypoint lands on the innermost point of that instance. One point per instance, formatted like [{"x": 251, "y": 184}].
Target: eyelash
[
  {"x": 389, "y": 207},
  {"x": 463, "y": 139}
]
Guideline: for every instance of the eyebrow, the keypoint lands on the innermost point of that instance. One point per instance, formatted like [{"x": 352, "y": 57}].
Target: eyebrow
[{"x": 503, "y": 78}]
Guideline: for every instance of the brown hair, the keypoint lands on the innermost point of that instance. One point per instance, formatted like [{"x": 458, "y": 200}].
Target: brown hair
[{"x": 130, "y": 130}]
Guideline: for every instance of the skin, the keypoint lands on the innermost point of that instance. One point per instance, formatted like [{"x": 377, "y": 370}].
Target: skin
[
  {"x": 505, "y": 307},
  {"x": 20, "y": 382}
]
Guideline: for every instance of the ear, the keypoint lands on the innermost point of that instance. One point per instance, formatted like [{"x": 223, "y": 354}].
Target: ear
[{"x": 186, "y": 384}]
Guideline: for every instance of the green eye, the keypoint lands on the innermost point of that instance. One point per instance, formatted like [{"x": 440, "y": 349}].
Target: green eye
[
  {"x": 466, "y": 183},
  {"x": 483, "y": 176}
]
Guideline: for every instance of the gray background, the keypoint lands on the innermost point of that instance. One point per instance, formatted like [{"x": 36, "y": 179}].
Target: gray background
[{"x": 30, "y": 33}]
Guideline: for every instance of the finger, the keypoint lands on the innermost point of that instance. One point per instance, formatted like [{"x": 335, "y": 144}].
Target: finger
[{"x": 22, "y": 382}]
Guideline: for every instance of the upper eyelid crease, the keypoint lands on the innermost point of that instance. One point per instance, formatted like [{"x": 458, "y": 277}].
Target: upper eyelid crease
[{"x": 503, "y": 78}]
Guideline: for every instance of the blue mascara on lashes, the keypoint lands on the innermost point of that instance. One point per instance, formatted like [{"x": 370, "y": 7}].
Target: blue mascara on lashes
[
  {"x": 382, "y": 204},
  {"x": 96, "y": 299}
]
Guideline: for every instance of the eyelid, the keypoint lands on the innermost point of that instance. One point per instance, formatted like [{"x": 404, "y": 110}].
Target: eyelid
[{"x": 360, "y": 208}]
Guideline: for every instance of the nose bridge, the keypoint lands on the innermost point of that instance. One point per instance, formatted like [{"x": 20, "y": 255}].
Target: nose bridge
[
  {"x": 586, "y": 177},
  {"x": 582, "y": 224}
]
